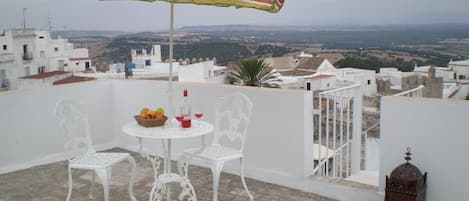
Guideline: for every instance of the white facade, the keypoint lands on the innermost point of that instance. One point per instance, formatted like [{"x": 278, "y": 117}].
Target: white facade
[
  {"x": 394, "y": 76},
  {"x": 142, "y": 58},
  {"x": 460, "y": 67},
  {"x": 321, "y": 82},
  {"x": 63, "y": 56},
  {"x": 367, "y": 78},
  {"x": 25, "y": 52},
  {"x": 446, "y": 73},
  {"x": 17, "y": 48},
  {"x": 205, "y": 72}
]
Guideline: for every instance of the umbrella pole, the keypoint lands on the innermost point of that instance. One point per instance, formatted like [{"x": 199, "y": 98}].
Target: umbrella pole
[{"x": 170, "y": 89}]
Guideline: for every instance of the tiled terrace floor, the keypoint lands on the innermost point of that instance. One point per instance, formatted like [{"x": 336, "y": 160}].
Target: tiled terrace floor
[{"x": 50, "y": 183}]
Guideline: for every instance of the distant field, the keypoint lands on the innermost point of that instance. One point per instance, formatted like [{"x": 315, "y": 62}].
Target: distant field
[{"x": 402, "y": 46}]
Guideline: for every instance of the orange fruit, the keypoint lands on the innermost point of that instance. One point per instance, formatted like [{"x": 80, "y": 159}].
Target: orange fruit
[
  {"x": 159, "y": 116},
  {"x": 144, "y": 111}
]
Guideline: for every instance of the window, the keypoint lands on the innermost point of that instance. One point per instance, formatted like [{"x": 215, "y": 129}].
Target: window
[
  {"x": 27, "y": 71},
  {"x": 56, "y": 49},
  {"x": 41, "y": 37},
  {"x": 2, "y": 74},
  {"x": 148, "y": 62},
  {"x": 369, "y": 82},
  {"x": 5, "y": 47},
  {"x": 41, "y": 69},
  {"x": 77, "y": 63}
]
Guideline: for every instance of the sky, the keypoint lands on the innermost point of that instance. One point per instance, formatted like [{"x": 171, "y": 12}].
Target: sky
[{"x": 143, "y": 16}]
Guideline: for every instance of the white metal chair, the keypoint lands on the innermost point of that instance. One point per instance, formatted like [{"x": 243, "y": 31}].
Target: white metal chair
[
  {"x": 73, "y": 121},
  {"x": 232, "y": 114}
]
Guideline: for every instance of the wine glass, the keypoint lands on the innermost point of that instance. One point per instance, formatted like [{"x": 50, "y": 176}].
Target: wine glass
[
  {"x": 178, "y": 115},
  {"x": 198, "y": 115}
]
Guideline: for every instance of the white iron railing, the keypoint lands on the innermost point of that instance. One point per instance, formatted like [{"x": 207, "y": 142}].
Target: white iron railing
[
  {"x": 338, "y": 141},
  {"x": 365, "y": 135},
  {"x": 416, "y": 92}
]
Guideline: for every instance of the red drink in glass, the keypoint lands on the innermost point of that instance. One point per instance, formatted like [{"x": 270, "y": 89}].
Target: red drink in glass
[
  {"x": 186, "y": 123},
  {"x": 199, "y": 115},
  {"x": 180, "y": 118}
]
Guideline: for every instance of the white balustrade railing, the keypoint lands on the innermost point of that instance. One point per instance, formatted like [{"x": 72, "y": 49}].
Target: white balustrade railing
[
  {"x": 416, "y": 92},
  {"x": 365, "y": 135},
  {"x": 337, "y": 141}
]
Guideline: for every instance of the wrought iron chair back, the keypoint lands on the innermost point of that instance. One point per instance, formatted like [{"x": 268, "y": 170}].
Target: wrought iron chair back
[
  {"x": 73, "y": 121},
  {"x": 232, "y": 114}
]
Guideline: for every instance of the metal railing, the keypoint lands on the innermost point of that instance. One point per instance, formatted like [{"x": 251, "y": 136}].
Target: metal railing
[
  {"x": 416, "y": 92},
  {"x": 365, "y": 135},
  {"x": 27, "y": 56},
  {"x": 339, "y": 130},
  {"x": 4, "y": 85}
]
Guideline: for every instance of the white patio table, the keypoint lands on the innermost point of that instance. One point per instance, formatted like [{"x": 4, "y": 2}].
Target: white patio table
[{"x": 167, "y": 134}]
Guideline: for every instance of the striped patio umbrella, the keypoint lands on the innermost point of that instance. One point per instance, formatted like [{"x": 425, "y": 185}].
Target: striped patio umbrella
[
  {"x": 267, "y": 5},
  {"x": 272, "y": 6}
]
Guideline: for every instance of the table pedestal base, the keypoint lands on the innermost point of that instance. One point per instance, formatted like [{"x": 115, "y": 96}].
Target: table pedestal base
[{"x": 160, "y": 189}]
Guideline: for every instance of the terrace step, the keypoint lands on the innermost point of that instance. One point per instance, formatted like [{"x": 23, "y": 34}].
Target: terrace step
[{"x": 366, "y": 177}]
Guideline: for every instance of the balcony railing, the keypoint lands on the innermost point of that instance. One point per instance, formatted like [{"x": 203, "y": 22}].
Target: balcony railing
[
  {"x": 338, "y": 137},
  {"x": 27, "y": 56},
  {"x": 4, "y": 85},
  {"x": 416, "y": 92}
]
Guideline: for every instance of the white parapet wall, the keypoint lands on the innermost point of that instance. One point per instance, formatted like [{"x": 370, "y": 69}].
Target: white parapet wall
[
  {"x": 275, "y": 146},
  {"x": 279, "y": 139},
  {"x": 29, "y": 131},
  {"x": 437, "y": 131}
]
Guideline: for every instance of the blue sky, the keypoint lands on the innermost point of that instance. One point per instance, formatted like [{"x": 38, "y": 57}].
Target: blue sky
[{"x": 142, "y": 16}]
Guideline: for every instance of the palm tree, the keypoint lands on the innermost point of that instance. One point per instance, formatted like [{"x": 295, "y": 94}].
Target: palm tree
[{"x": 254, "y": 72}]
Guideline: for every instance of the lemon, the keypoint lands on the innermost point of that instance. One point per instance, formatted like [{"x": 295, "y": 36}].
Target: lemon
[{"x": 160, "y": 110}]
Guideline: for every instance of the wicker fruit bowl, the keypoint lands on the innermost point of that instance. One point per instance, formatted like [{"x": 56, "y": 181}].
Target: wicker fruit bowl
[{"x": 150, "y": 122}]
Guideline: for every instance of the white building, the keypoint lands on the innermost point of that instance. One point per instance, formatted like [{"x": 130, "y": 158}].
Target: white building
[
  {"x": 321, "y": 81},
  {"x": 367, "y": 78},
  {"x": 63, "y": 56},
  {"x": 25, "y": 52},
  {"x": 141, "y": 58},
  {"x": 150, "y": 64},
  {"x": 205, "y": 72},
  {"x": 446, "y": 73},
  {"x": 461, "y": 68},
  {"x": 394, "y": 76}
]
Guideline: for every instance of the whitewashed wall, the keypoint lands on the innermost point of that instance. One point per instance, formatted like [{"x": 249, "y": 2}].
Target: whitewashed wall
[
  {"x": 437, "y": 132},
  {"x": 278, "y": 148},
  {"x": 275, "y": 141},
  {"x": 29, "y": 131}
]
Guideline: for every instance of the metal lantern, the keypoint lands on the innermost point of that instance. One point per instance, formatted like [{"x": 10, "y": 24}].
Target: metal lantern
[{"x": 406, "y": 183}]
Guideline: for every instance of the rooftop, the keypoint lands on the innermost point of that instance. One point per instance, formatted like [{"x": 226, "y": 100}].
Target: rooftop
[
  {"x": 73, "y": 79},
  {"x": 463, "y": 62},
  {"x": 80, "y": 59},
  {"x": 45, "y": 75}
]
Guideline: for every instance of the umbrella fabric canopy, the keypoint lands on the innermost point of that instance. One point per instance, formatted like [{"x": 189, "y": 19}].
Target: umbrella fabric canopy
[{"x": 267, "y": 5}]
